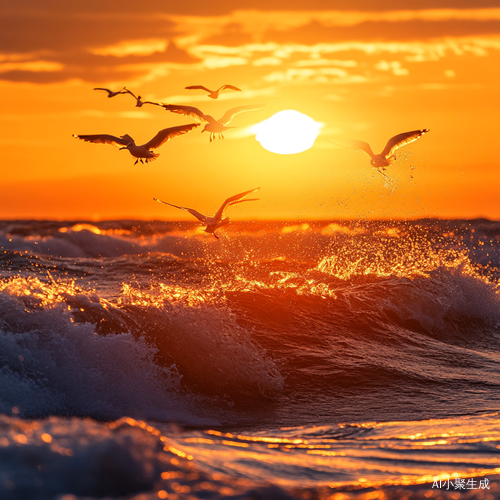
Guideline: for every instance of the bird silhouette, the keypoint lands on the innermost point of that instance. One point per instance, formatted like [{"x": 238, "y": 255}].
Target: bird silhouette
[
  {"x": 215, "y": 127},
  {"x": 214, "y": 94},
  {"x": 113, "y": 94},
  {"x": 386, "y": 157},
  {"x": 142, "y": 152},
  {"x": 140, "y": 102},
  {"x": 218, "y": 220}
]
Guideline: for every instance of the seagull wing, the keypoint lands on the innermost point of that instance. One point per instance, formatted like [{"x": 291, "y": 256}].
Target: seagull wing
[
  {"x": 232, "y": 87},
  {"x": 230, "y": 114},
  {"x": 169, "y": 133},
  {"x": 400, "y": 140},
  {"x": 192, "y": 211},
  {"x": 241, "y": 201},
  {"x": 358, "y": 146},
  {"x": 190, "y": 111},
  {"x": 106, "y": 90},
  {"x": 106, "y": 139},
  {"x": 197, "y": 87},
  {"x": 127, "y": 91},
  {"x": 111, "y": 93},
  {"x": 237, "y": 198}
]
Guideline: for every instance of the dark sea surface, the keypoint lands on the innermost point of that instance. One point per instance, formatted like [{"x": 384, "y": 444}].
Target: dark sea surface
[{"x": 312, "y": 360}]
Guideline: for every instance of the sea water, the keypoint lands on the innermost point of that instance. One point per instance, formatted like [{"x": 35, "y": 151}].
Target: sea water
[{"x": 316, "y": 359}]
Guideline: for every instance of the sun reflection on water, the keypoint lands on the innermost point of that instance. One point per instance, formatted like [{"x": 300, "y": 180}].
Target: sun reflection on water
[{"x": 373, "y": 453}]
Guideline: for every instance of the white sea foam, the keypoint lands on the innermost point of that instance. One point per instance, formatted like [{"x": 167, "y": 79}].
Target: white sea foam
[{"x": 52, "y": 365}]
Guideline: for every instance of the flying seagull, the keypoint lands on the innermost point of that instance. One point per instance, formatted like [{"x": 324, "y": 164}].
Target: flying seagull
[
  {"x": 139, "y": 102},
  {"x": 217, "y": 221},
  {"x": 214, "y": 94},
  {"x": 111, "y": 93},
  {"x": 142, "y": 152},
  {"x": 215, "y": 127},
  {"x": 386, "y": 157}
]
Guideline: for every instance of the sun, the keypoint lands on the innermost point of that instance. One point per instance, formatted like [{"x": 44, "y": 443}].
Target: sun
[{"x": 287, "y": 132}]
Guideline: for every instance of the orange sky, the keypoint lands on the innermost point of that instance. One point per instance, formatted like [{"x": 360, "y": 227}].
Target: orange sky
[{"x": 367, "y": 72}]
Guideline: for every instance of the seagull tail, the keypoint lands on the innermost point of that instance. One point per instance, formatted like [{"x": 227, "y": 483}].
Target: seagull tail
[{"x": 153, "y": 158}]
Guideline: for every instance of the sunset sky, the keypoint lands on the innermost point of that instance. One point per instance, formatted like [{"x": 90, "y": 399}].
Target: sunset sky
[{"x": 362, "y": 69}]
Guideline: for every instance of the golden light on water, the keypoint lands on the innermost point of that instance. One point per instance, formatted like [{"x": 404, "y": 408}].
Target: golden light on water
[
  {"x": 287, "y": 132},
  {"x": 360, "y": 454},
  {"x": 46, "y": 437}
]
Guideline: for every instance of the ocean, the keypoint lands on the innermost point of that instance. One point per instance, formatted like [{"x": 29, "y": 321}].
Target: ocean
[{"x": 287, "y": 360}]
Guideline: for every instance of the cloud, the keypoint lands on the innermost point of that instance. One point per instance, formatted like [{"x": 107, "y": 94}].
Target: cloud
[
  {"x": 415, "y": 30},
  {"x": 92, "y": 67},
  {"x": 275, "y": 38},
  {"x": 30, "y": 66},
  {"x": 393, "y": 66},
  {"x": 213, "y": 62},
  {"x": 210, "y": 9},
  {"x": 316, "y": 75},
  {"x": 233, "y": 35},
  {"x": 124, "y": 41},
  {"x": 93, "y": 47},
  {"x": 133, "y": 48},
  {"x": 327, "y": 62},
  {"x": 243, "y": 27},
  {"x": 267, "y": 61},
  {"x": 53, "y": 33}
]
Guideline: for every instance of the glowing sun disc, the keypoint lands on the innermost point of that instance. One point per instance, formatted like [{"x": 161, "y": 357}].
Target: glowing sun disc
[{"x": 287, "y": 132}]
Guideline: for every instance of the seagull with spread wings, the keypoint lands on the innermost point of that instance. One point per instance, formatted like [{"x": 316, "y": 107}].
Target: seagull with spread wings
[
  {"x": 139, "y": 100},
  {"x": 386, "y": 157},
  {"x": 113, "y": 94},
  {"x": 215, "y": 127},
  {"x": 214, "y": 94},
  {"x": 218, "y": 220},
  {"x": 142, "y": 152}
]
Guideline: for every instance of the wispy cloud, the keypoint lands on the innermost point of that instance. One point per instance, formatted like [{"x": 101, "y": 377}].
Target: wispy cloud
[
  {"x": 134, "y": 114},
  {"x": 215, "y": 61},
  {"x": 32, "y": 66},
  {"x": 132, "y": 47},
  {"x": 44, "y": 46},
  {"x": 327, "y": 62},
  {"x": 267, "y": 61},
  {"x": 316, "y": 75}
]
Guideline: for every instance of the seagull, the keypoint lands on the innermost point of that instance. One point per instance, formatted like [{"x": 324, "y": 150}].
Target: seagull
[
  {"x": 215, "y": 127},
  {"x": 386, "y": 157},
  {"x": 214, "y": 94},
  {"x": 112, "y": 94},
  {"x": 140, "y": 152},
  {"x": 140, "y": 103},
  {"x": 217, "y": 221}
]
